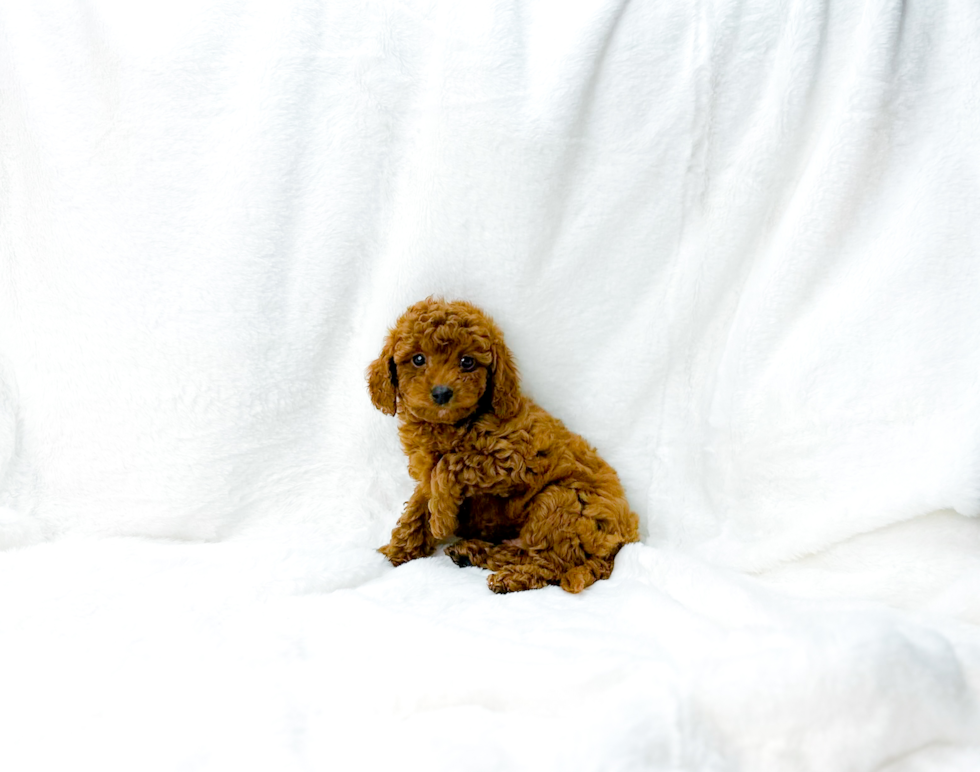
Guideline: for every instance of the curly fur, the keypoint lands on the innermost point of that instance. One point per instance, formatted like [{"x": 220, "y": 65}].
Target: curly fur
[{"x": 529, "y": 499}]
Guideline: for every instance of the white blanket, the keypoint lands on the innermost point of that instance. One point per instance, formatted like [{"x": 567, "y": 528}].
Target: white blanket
[{"x": 734, "y": 244}]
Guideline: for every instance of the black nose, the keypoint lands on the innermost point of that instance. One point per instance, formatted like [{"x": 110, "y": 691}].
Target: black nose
[{"x": 441, "y": 394}]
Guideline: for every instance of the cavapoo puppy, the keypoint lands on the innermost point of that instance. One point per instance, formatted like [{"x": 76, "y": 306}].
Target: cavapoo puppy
[{"x": 529, "y": 499}]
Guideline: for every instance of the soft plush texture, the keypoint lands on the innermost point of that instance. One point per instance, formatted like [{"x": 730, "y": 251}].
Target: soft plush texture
[
  {"x": 733, "y": 244},
  {"x": 527, "y": 498}
]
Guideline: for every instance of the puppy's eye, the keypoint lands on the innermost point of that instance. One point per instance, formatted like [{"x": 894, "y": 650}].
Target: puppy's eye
[
  {"x": 418, "y": 360},
  {"x": 466, "y": 364}
]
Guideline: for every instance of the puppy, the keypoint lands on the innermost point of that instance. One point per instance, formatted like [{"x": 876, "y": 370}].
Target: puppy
[{"x": 530, "y": 500}]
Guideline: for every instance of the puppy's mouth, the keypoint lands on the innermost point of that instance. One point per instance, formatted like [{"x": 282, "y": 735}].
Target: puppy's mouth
[{"x": 450, "y": 413}]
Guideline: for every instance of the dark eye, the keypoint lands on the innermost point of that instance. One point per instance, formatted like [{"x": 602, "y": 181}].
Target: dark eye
[
  {"x": 466, "y": 364},
  {"x": 418, "y": 360}
]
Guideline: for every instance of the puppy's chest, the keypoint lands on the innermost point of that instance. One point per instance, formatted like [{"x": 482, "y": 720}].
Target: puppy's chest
[{"x": 473, "y": 452}]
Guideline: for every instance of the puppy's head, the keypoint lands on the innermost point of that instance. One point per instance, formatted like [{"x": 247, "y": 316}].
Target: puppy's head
[{"x": 442, "y": 362}]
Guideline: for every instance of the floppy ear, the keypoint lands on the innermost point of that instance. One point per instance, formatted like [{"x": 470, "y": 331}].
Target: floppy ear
[
  {"x": 506, "y": 399},
  {"x": 382, "y": 380}
]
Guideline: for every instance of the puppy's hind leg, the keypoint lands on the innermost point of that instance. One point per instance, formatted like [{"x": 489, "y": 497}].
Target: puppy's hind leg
[
  {"x": 559, "y": 535},
  {"x": 536, "y": 571}
]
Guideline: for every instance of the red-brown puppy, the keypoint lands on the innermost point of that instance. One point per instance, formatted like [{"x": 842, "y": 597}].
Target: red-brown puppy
[{"x": 531, "y": 501}]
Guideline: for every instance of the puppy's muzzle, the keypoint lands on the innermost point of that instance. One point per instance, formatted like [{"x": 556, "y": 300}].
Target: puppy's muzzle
[{"x": 441, "y": 394}]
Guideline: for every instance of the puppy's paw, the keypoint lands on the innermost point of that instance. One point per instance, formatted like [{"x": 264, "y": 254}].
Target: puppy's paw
[
  {"x": 401, "y": 553},
  {"x": 458, "y": 557},
  {"x": 577, "y": 579},
  {"x": 393, "y": 554},
  {"x": 515, "y": 579},
  {"x": 468, "y": 552}
]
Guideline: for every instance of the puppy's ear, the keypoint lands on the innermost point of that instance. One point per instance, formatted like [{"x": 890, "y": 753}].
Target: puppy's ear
[
  {"x": 382, "y": 380},
  {"x": 506, "y": 399}
]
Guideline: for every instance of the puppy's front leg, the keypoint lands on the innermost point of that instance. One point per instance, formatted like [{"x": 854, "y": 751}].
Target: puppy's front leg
[
  {"x": 412, "y": 537},
  {"x": 447, "y": 497}
]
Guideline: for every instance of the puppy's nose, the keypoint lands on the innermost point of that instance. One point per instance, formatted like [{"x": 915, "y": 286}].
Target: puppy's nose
[{"x": 441, "y": 394}]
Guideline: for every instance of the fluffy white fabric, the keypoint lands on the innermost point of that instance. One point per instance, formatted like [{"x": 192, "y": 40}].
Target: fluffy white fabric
[{"x": 734, "y": 244}]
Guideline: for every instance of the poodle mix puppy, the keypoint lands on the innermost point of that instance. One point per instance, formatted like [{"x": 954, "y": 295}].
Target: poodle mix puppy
[{"x": 529, "y": 499}]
